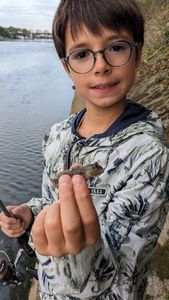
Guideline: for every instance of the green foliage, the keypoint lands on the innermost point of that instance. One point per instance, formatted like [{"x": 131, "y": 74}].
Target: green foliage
[
  {"x": 152, "y": 82},
  {"x": 166, "y": 36},
  {"x": 4, "y": 32},
  {"x": 12, "y": 32},
  {"x": 167, "y": 295}
]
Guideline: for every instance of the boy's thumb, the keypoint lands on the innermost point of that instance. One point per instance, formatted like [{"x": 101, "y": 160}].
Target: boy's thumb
[{"x": 17, "y": 211}]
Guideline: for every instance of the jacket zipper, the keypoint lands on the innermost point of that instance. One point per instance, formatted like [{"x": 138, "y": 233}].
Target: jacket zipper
[{"x": 67, "y": 162}]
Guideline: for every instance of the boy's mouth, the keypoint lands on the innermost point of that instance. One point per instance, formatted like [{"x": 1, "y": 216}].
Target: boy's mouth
[{"x": 104, "y": 87}]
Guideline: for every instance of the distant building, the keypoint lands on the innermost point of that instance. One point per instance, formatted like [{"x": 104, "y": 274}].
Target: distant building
[
  {"x": 38, "y": 34},
  {"x": 31, "y": 34},
  {"x": 20, "y": 34},
  {"x": 38, "y": 31}
]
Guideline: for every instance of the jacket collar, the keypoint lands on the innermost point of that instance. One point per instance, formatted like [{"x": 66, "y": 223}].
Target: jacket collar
[{"x": 133, "y": 113}]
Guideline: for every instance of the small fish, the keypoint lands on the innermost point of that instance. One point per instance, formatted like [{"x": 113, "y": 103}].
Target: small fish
[{"x": 87, "y": 172}]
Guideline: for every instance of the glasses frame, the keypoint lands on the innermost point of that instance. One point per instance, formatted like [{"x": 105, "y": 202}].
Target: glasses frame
[{"x": 102, "y": 52}]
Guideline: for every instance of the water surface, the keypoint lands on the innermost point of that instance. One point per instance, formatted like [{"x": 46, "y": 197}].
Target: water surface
[{"x": 35, "y": 93}]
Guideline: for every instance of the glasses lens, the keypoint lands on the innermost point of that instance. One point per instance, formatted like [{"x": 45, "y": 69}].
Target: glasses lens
[
  {"x": 81, "y": 61},
  {"x": 117, "y": 53}
]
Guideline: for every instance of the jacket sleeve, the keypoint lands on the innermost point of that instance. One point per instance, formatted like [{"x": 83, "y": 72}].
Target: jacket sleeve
[
  {"x": 130, "y": 227},
  {"x": 37, "y": 204}
]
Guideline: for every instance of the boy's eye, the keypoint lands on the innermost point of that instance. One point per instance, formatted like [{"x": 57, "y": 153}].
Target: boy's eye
[
  {"x": 117, "y": 47},
  {"x": 82, "y": 54}
]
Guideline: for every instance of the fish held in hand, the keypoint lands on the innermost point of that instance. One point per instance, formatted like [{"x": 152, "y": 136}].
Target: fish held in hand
[{"x": 87, "y": 172}]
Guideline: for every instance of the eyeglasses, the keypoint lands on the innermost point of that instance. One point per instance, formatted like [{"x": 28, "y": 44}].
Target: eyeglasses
[{"x": 116, "y": 54}]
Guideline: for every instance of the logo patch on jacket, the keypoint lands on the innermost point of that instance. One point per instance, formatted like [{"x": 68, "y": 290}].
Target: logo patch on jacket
[{"x": 97, "y": 191}]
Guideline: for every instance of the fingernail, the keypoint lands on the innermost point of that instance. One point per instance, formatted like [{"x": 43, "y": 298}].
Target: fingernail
[
  {"x": 64, "y": 180},
  {"x": 77, "y": 179},
  {"x": 13, "y": 220}
]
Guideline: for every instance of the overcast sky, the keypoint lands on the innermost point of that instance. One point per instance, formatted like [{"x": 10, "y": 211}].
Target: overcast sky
[{"x": 29, "y": 14}]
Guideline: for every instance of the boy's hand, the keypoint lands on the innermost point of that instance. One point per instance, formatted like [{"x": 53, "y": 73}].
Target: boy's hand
[
  {"x": 18, "y": 223},
  {"x": 69, "y": 225}
]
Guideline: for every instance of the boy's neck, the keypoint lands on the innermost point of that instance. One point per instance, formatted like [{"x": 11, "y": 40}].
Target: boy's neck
[{"x": 98, "y": 121}]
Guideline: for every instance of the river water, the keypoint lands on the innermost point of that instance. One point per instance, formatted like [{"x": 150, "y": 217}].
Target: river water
[{"x": 35, "y": 92}]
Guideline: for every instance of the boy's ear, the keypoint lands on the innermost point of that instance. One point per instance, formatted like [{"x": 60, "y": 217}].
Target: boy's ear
[{"x": 138, "y": 54}]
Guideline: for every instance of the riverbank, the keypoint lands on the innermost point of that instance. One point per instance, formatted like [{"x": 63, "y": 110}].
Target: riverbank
[
  {"x": 26, "y": 40},
  {"x": 23, "y": 33}
]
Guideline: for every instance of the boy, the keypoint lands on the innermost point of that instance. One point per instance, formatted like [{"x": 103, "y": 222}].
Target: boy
[{"x": 95, "y": 239}]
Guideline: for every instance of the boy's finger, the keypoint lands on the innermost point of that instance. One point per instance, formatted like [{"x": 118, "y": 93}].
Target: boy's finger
[
  {"x": 53, "y": 230},
  {"x": 87, "y": 209},
  {"x": 70, "y": 217},
  {"x": 7, "y": 220},
  {"x": 14, "y": 233},
  {"x": 38, "y": 233},
  {"x": 9, "y": 209},
  {"x": 17, "y": 210},
  {"x": 12, "y": 224}
]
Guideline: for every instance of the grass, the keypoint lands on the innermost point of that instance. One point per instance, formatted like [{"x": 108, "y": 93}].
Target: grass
[{"x": 160, "y": 263}]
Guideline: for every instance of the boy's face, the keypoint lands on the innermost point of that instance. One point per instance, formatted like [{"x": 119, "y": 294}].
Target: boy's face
[{"x": 104, "y": 86}]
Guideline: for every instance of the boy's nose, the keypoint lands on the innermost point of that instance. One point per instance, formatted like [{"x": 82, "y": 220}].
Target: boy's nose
[{"x": 101, "y": 65}]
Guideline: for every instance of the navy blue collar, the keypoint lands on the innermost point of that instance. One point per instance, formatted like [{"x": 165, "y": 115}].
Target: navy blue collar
[{"x": 133, "y": 113}]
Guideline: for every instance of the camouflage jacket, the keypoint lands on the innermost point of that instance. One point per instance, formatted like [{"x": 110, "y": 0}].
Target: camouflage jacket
[{"x": 131, "y": 199}]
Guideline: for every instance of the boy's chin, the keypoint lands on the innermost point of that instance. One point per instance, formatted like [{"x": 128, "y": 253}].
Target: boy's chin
[{"x": 107, "y": 103}]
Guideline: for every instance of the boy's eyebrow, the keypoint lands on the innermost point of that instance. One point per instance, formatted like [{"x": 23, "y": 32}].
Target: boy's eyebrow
[
  {"x": 77, "y": 46},
  {"x": 110, "y": 38}
]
